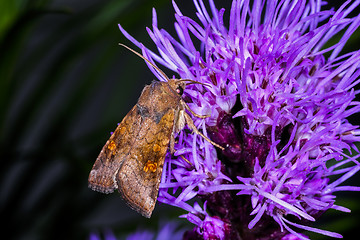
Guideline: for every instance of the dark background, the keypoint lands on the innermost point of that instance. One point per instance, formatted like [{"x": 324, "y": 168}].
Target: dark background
[{"x": 64, "y": 85}]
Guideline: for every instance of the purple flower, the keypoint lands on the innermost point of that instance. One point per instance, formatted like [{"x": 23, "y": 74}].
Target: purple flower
[
  {"x": 167, "y": 231},
  {"x": 108, "y": 235},
  {"x": 278, "y": 96},
  {"x": 208, "y": 227}
]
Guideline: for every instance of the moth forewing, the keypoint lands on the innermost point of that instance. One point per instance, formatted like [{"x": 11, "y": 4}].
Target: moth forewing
[
  {"x": 135, "y": 168},
  {"x": 132, "y": 159},
  {"x": 102, "y": 175}
]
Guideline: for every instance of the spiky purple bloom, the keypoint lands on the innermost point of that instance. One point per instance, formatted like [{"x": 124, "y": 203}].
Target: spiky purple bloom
[{"x": 278, "y": 97}]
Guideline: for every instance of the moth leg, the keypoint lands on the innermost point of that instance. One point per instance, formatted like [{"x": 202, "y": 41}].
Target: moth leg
[
  {"x": 179, "y": 124},
  {"x": 186, "y": 160},
  {"x": 180, "y": 121},
  {"x": 172, "y": 143},
  {"x": 193, "y": 113},
  {"x": 192, "y": 126}
]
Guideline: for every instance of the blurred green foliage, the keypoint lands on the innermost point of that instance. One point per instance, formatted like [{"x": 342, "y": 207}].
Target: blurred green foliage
[{"x": 64, "y": 84}]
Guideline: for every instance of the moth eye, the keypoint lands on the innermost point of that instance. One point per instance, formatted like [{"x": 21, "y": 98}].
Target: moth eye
[{"x": 180, "y": 90}]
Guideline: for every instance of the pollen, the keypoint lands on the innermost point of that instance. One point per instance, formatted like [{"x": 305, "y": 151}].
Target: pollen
[
  {"x": 152, "y": 166},
  {"x": 112, "y": 145}
]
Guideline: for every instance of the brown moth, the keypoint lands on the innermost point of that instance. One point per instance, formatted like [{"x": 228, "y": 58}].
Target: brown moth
[{"x": 132, "y": 159}]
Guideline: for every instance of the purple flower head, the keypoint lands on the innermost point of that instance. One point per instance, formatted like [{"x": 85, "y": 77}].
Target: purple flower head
[{"x": 278, "y": 98}]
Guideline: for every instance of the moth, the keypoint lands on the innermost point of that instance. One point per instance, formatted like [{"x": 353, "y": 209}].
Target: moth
[{"x": 132, "y": 159}]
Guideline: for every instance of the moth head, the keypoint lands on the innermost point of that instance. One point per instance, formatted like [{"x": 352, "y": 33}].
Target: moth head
[
  {"x": 177, "y": 85},
  {"x": 180, "y": 90}
]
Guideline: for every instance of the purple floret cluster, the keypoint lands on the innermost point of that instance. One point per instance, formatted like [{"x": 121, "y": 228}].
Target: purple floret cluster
[{"x": 278, "y": 95}]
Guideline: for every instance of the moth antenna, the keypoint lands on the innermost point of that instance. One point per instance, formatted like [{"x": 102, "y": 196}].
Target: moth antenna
[
  {"x": 193, "y": 81},
  {"x": 147, "y": 60}
]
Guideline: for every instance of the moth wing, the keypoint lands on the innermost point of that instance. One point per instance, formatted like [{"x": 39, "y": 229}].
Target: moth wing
[
  {"x": 139, "y": 176},
  {"x": 103, "y": 173}
]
